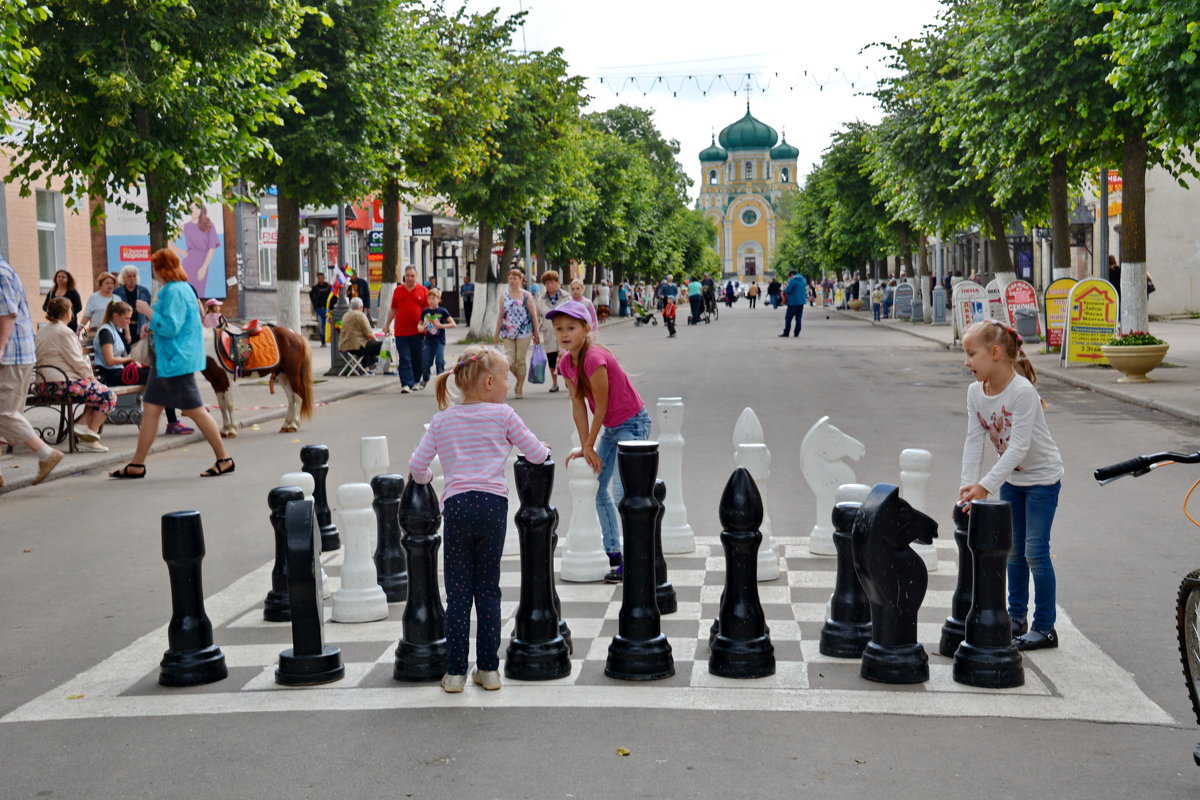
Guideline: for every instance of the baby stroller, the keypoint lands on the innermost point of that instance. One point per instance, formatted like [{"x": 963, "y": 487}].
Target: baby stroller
[{"x": 642, "y": 315}]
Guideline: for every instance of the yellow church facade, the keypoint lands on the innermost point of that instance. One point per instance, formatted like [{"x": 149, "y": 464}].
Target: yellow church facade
[{"x": 744, "y": 177}]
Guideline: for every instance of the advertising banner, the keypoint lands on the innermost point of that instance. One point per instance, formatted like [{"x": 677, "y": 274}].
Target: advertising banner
[
  {"x": 995, "y": 302},
  {"x": 1021, "y": 295},
  {"x": 970, "y": 305},
  {"x": 1056, "y": 300},
  {"x": 1091, "y": 321},
  {"x": 903, "y": 301}
]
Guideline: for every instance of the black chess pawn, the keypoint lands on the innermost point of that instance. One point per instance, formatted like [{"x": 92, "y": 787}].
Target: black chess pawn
[
  {"x": 895, "y": 579},
  {"x": 537, "y": 651},
  {"x": 309, "y": 661},
  {"x": 277, "y": 607},
  {"x": 391, "y": 566},
  {"x": 315, "y": 461},
  {"x": 987, "y": 657},
  {"x": 664, "y": 592},
  {"x": 191, "y": 658},
  {"x": 955, "y": 627},
  {"x": 742, "y": 648},
  {"x": 848, "y": 629},
  {"x": 421, "y": 654},
  {"x": 639, "y": 651}
]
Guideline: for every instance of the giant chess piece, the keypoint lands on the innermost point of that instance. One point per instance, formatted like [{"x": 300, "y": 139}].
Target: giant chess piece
[
  {"x": 915, "y": 468},
  {"x": 742, "y": 648},
  {"x": 954, "y": 630},
  {"x": 309, "y": 661},
  {"x": 895, "y": 580},
  {"x": 747, "y": 429},
  {"x": 359, "y": 598},
  {"x": 847, "y": 627},
  {"x": 391, "y": 567},
  {"x": 512, "y": 537},
  {"x": 584, "y": 559},
  {"x": 308, "y": 485},
  {"x": 314, "y": 459},
  {"x": 821, "y": 454},
  {"x": 563, "y": 629},
  {"x": 277, "y": 607},
  {"x": 373, "y": 456},
  {"x": 987, "y": 657},
  {"x": 639, "y": 651},
  {"x": 756, "y": 459},
  {"x": 191, "y": 658},
  {"x": 537, "y": 651},
  {"x": 421, "y": 654},
  {"x": 677, "y": 535},
  {"x": 664, "y": 592}
]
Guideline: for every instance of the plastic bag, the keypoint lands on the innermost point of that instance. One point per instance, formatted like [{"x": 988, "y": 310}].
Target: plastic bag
[{"x": 537, "y": 365}]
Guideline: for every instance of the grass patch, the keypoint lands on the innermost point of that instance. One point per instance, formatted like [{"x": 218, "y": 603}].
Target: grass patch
[{"x": 471, "y": 339}]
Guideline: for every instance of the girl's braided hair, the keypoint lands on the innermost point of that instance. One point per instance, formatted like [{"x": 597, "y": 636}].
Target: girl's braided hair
[{"x": 476, "y": 362}]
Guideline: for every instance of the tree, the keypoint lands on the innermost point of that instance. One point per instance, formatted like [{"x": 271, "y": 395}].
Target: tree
[{"x": 16, "y": 56}]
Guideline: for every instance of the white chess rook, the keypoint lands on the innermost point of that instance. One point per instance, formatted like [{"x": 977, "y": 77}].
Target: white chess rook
[
  {"x": 915, "y": 469},
  {"x": 360, "y": 598},
  {"x": 373, "y": 455},
  {"x": 308, "y": 485},
  {"x": 583, "y": 559},
  {"x": 821, "y": 455},
  {"x": 756, "y": 458},
  {"x": 677, "y": 534}
]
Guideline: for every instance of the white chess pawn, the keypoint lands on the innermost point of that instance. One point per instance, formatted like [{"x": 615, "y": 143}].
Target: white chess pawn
[
  {"x": 512, "y": 539},
  {"x": 308, "y": 486},
  {"x": 677, "y": 535},
  {"x": 747, "y": 429},
  {"x": 915, "y": 469},
  {"x": 756, "y": 458},
  {"x": 360, "y": 598},
  {"x": 821, "y": 454},
  {"x": 373, "y": 456},
  {"x": 583, "y": 559}
]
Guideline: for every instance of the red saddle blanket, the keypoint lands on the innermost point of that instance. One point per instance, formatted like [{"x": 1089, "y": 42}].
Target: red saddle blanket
[{"x": 246, "y": 353}]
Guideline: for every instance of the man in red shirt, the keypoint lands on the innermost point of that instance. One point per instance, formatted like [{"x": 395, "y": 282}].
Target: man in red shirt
[{"x": 408, "y": 302}]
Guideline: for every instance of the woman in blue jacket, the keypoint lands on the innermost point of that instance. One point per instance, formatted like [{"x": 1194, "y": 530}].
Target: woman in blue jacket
[{"x": 179, "y": 354}]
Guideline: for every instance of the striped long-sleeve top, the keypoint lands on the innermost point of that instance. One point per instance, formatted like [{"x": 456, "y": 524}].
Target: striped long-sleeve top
[{"x": 473, "y": 441}]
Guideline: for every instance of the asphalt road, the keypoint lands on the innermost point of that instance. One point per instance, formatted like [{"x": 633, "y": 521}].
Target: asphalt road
[{"x": 81, "y": 576}]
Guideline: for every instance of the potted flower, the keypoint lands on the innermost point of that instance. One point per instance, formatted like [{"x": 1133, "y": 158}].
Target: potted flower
[{"x": 1134, "y": 354}]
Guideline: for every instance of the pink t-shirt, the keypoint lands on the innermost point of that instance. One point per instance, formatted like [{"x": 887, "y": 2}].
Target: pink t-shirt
[
  {"x": 474, "y": 441},
  {"x": 623, "y": 399}
]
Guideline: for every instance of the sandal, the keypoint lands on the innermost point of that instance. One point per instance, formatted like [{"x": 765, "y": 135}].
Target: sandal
[
  {"x": 124, "y": 472},
  {"x": 216, "y": 469}
]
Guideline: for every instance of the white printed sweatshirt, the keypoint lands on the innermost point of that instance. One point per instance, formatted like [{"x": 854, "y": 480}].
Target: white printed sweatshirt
[{"x": 1016, "y": 425}]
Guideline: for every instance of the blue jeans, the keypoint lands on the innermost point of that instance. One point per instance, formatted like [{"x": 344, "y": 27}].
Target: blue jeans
[
  {"x": 1032, "y": 514},
  {"x": 474, "y": 527},
  {"x": 434, "y": 351},
  {"x": 410, "y": 352},
  {"x": 795, "y": 312},
  {"x": 322, "y": 313},
  {"x": 636, "y": 427},
  {"x": 875, "y": 307}
]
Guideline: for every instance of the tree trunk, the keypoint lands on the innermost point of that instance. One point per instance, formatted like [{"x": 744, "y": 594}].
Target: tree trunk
[
  {"x": 1060, "y": 220},
  {"x": 510, "y": 246},
  {"x": 1133, "y": 233},
  {"x": 287, "y": 266},
  {"x": 391, "y": 245},
  {"x": 483, "y": 255},
  {"x": 156, "y": 211},
  {"x": 483, "y": 315},
  {"x": 1001, "y": 257},
  {"x": 540, "y": 247}
]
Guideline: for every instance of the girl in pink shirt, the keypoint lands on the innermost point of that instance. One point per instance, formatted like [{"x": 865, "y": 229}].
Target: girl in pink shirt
[
  {"x": 596, "y": 381},
  {"x": 473, "y": 440}
]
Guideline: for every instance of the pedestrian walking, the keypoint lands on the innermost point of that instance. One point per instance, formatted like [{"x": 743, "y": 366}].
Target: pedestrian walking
[
  {"x": 516, "y": 326},
  {"x": 795, "y": 294},
  {"x": 318, "y": 295},
  {"x": 551, "y": 299},
  {"x": 409, "y": 301}
]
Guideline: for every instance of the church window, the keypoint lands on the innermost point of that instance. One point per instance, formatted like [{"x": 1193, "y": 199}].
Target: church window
[
  {"x": 749, "y": 217},
  {"x": 712, "y": 176},
  {"x": 783, "y": 175},
  {"x": 749, "y": 170}
]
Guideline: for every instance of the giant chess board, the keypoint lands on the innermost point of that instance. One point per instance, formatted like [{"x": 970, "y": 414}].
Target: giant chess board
[{"x": 1077, "y": 681}]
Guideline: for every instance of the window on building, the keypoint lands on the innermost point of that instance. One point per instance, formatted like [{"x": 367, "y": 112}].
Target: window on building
[
  {"x": 268, "y": 232},
  {"x": 712, "y": 176},
  {"x": 749, "y": 170},
  {"x": 52, "y": 242},
  {"x": 784, "y": 175}
]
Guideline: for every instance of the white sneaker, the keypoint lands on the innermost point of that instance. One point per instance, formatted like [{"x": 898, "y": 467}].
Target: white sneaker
[
  {"x": 453, "y": 684},
  {"x": 488, "y": 679},
  {"x": 419, "y": 386},
  {"x": 85, "y": 446},
  {"x": 86, "y": 434},
  {"x": 405, "y": 390}
]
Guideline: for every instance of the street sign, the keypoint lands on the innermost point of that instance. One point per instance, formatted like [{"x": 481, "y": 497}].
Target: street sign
[
  {"x": 422, "y": 224},
  {"x": 1091, "y": 321}
]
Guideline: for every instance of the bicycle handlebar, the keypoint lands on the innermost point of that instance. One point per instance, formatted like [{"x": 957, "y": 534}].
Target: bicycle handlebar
[{"x": 1142, "y": 464}]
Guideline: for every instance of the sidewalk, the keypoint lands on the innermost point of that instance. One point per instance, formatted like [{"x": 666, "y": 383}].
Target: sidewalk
[{"x": 1176, "y": 386}]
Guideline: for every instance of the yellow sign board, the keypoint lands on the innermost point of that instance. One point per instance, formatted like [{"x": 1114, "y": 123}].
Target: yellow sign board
[
  {"x": 1055, "y": 303},
  {"x": 1092, "y": 314}
]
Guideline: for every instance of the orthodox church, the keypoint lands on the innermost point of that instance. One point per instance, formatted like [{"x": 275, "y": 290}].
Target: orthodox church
[{"x": 744, "y": 176}]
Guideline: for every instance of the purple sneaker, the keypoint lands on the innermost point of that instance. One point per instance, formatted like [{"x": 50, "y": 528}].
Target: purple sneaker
[{"x": 178, "y": 429}]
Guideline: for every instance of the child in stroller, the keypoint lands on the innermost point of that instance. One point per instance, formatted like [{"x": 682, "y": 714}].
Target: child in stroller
[{"x": 642, "y": 315}]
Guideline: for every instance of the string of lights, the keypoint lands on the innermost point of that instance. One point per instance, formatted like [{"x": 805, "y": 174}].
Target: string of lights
[{"x": 739, "y": 84}]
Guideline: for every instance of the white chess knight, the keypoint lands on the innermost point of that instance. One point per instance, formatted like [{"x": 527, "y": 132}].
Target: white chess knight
[
  {"x": 583, "y": 559},
  {"x": 373, "y": 455},
  {"x": 747, "y": 429},
  {"x": 308, "y": 485},
  {"x": 821, "y": 455},
  {"x": 756, "y": 458},
  {"x": 677, "y": 534},
  {"x": 512, "y": 539},
  {"x": 915, "y": 469},
  {"x": 360, "y": 598}
]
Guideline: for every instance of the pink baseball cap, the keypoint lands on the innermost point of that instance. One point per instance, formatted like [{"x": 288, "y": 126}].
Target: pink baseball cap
[{"x": 571, "y": 308}]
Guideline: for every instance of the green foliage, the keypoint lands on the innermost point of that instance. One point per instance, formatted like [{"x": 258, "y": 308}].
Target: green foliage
[
  {"x": 1133, "y": 339},
  {"x": 16, "y": 55}
]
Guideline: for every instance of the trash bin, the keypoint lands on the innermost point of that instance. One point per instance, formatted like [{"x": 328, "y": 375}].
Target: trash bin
[{"x": 1027, "y": 324}]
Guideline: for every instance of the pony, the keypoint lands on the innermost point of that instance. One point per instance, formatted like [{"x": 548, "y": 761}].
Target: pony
[
  {"x": 821, "y": 455},
  {"x": 294, "y": 371}
]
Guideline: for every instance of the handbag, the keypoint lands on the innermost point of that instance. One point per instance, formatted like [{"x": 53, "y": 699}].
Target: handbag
[
  {"x": 537, "y": 365},
  {"x": 143, "y": 351}
]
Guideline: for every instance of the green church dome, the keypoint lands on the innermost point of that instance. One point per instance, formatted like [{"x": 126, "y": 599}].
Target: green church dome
[
  {"x": 784, "y": 151},
  {"x": 714, "y": 153},
  {"x": 748, "y": 134}
]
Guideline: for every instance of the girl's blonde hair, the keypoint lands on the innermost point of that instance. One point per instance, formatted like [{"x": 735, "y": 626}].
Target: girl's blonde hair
[
  {"x": 476, "y": 362},
  {"x": 435, "y": 292},
  {"x": 993, "y": 332}
]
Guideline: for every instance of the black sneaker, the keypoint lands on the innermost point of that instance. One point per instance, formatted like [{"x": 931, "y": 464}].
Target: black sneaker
[
  {"x": 1019, "y": 627},
  {"x": 1036, "y": 640},
  {"x": 615, "y": 575}
]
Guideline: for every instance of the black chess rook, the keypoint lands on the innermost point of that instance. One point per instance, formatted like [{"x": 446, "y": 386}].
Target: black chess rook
[
  {"x": 848, "y": 628},
  {"x": 314, "y": 459},
  {"x": 954, "y": 629},
  {"x": 421, "y": 653},
  {"x": 742, "y": 648},
  {"x": 895, "y": 579},
  {"x": 309, "y": 661},
  {"x": 537, "y": 651},
  {"x": 191, "y": 658},
  {"x": 987, "y": 658},
  {"x": 639, "y": 651},
  {"x": 391, "y": 565},
  {"x": 664, "y": 592},
  {"x": 278, "y": 607}
]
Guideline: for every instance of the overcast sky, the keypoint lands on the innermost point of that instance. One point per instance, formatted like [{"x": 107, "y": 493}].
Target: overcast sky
[{"x": 791, "y": 48}]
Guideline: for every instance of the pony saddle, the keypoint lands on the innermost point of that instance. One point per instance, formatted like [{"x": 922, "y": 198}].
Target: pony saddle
[{"x": 246, "y": 349}]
